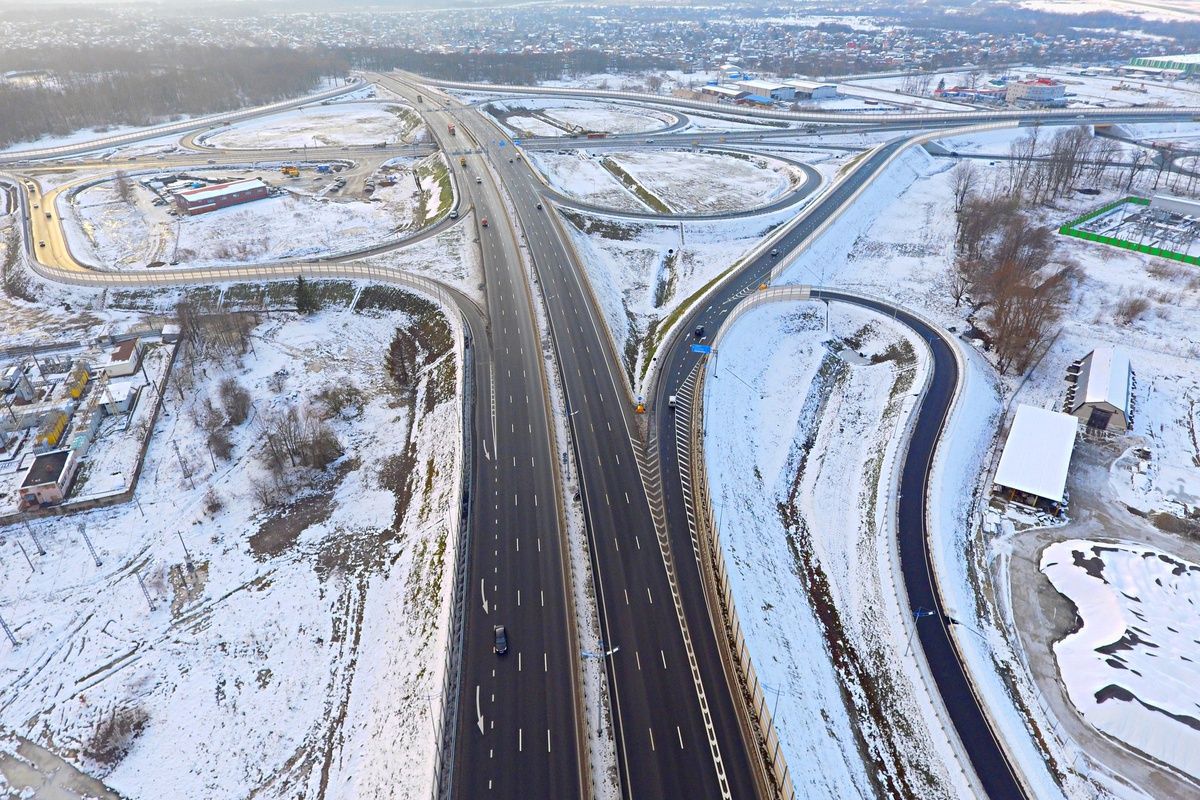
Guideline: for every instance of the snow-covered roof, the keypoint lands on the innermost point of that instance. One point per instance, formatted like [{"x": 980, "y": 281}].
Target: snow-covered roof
[
  {"x": 1037, "y": 453},
  {"x": 221, "y": 190},
  {"x": 765, "y": 86},
  {"x": 800, "y": 83},
  {"x": 1104, "y": 379}
]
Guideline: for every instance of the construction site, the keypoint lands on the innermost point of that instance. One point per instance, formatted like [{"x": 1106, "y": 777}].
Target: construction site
[{"x": 1162, "y": 225}]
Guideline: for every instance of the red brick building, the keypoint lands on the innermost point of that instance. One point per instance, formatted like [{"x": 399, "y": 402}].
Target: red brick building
[{"x": 220, "y": 195}]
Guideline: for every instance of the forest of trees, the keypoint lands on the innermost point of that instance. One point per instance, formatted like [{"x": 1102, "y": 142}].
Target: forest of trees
[
  {"x": 97, "y": 88},
  {"x": 1005, "y": 264}
]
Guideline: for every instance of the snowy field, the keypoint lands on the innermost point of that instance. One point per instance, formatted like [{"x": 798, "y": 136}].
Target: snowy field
[
  {"x": 801, "y": 434},
  {"x": 898, "y": 242},
  {"x": 538, "y": 116},
  {"x": 451, "y": 256},
  {"x": 670, "y": 181},
  {"x": 1131, "y": 667},
  {"x": 304, "y": 220},
  {"x": 1082, "y": 91},
  {"x": 292, "y": 653},
  {"x": 1168, "y": 10},
  {"x": 642, "y": 272},
  {"x": 334, "y": 125},
  {"x": 636, "y": 81}
]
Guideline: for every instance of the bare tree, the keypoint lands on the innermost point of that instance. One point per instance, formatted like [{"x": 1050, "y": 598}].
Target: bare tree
[
  {"x": 963, "y": 178},
  {"x": 123, "y": 187},
  {"x": 235, "y": 400},
  {"x": 964, "y": 276}
]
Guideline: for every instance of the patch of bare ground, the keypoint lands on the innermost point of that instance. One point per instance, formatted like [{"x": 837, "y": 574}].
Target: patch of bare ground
[{"x": 279, "y": 532}]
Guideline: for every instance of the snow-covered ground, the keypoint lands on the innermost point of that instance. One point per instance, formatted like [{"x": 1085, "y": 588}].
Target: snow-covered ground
[
  {"x": 1082, "y": 90},
  {"x": 672, "y": 180},
  {"x": 1131, "y": 668},
  {"x": 887, "y": 91},
  {"x": 636, "y": 81},
  {"x": 642, "y": 272},
  {"x": 801, "y": 431},
  {"x": 294, "y": 653},
  {"x": 451, "y": 257},
  {"x": 897, "y": 242},
  {"x": 334, "y": 125},
  {"x": 1169, "y": 10},
  {"x": 551, "y": 116},
  {"x": 103, "y": 229}
]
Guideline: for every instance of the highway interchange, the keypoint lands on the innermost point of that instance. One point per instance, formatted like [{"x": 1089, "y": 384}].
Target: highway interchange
[{"x": 519, "y": 727}]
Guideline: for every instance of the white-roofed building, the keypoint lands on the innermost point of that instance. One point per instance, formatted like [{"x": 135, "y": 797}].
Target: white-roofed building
[
  {"x": 813, "y": 90},
  {"x": 1103, "y": 392},
  {"x": 771, "y": 89},
  {"x": 220, "y": 195},
  {"x": 724, "y": 92},
  {"x": 1036, "y": 458}
]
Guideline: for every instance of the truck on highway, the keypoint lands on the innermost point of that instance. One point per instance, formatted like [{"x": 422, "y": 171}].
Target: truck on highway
[
  {"x": 450, "y": 128},
  {"x": 483, "y": 222},
  {"x": 462, "y": 161},
  {"x": 420, "y": 99},
  {"x": 597, "y": 135}
]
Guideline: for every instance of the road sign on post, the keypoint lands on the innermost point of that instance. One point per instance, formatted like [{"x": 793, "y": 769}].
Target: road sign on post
[{"x": 702, "y": 348}]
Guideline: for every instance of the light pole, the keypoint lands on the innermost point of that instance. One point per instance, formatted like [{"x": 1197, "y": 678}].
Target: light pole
[
  {"x": 603, "y": 654},
  {"x": 918, "y": 614}
]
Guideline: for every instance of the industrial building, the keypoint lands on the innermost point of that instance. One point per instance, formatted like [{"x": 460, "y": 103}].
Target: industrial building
[
  {"x": 723, "y": 92},
  {"x": 1036, "y": 459},
  {"x": 1184, "y": 66},
  {"x": 812, "y": 90},
  {"x": 1180, "y": 206},
  {"x": 220, "y": 195},
  {"x": 1041, "y": 92},
  {"x": 47, "y": 479},
  {"x": 124, "y": 360},
  {"x": 775, "y": 91},
  {"x": 1102, "y": 393}
]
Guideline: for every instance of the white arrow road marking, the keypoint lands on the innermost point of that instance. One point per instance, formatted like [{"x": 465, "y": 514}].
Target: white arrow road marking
[
  {"x": 478, "y": 710},
  {"x": 481, "y": 592}
]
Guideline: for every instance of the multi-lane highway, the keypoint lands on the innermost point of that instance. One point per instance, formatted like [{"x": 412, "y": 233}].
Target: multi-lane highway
[
  {"x": 677, "y": 732},
  {"x": 519, "y": 729}
]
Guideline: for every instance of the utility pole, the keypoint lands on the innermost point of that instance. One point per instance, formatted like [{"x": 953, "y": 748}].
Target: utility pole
[
  {"x": 187, "y": 557},
  {"x": 182, "y": 467},
  {"x": 32, "y": 568},
  {"x": 32, "y": 535},
  {"x": 145, "y": 591},
  {"x": 83, "y": 532},
  {"x": 8, "y": 632}
]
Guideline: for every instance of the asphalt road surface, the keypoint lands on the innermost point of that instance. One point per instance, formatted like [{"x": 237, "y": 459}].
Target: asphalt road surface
[
  {"x": 516, "y": 733},
  {"x": 665, "y": 708},
  {"x": 985, "y": 753}
]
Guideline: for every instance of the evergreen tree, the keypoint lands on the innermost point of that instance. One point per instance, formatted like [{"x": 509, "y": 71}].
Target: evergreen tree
[{"x": 306, "y": 302}]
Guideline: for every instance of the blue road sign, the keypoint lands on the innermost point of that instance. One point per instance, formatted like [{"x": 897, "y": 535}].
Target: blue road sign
[
  {"x": 702, "y": 348},
  {"x": 516, "y": 141},
  {"x": 502, "y": 143}
]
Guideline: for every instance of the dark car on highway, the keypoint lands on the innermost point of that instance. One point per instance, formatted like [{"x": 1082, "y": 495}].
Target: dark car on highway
[{"x": 500, "y": 647}]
